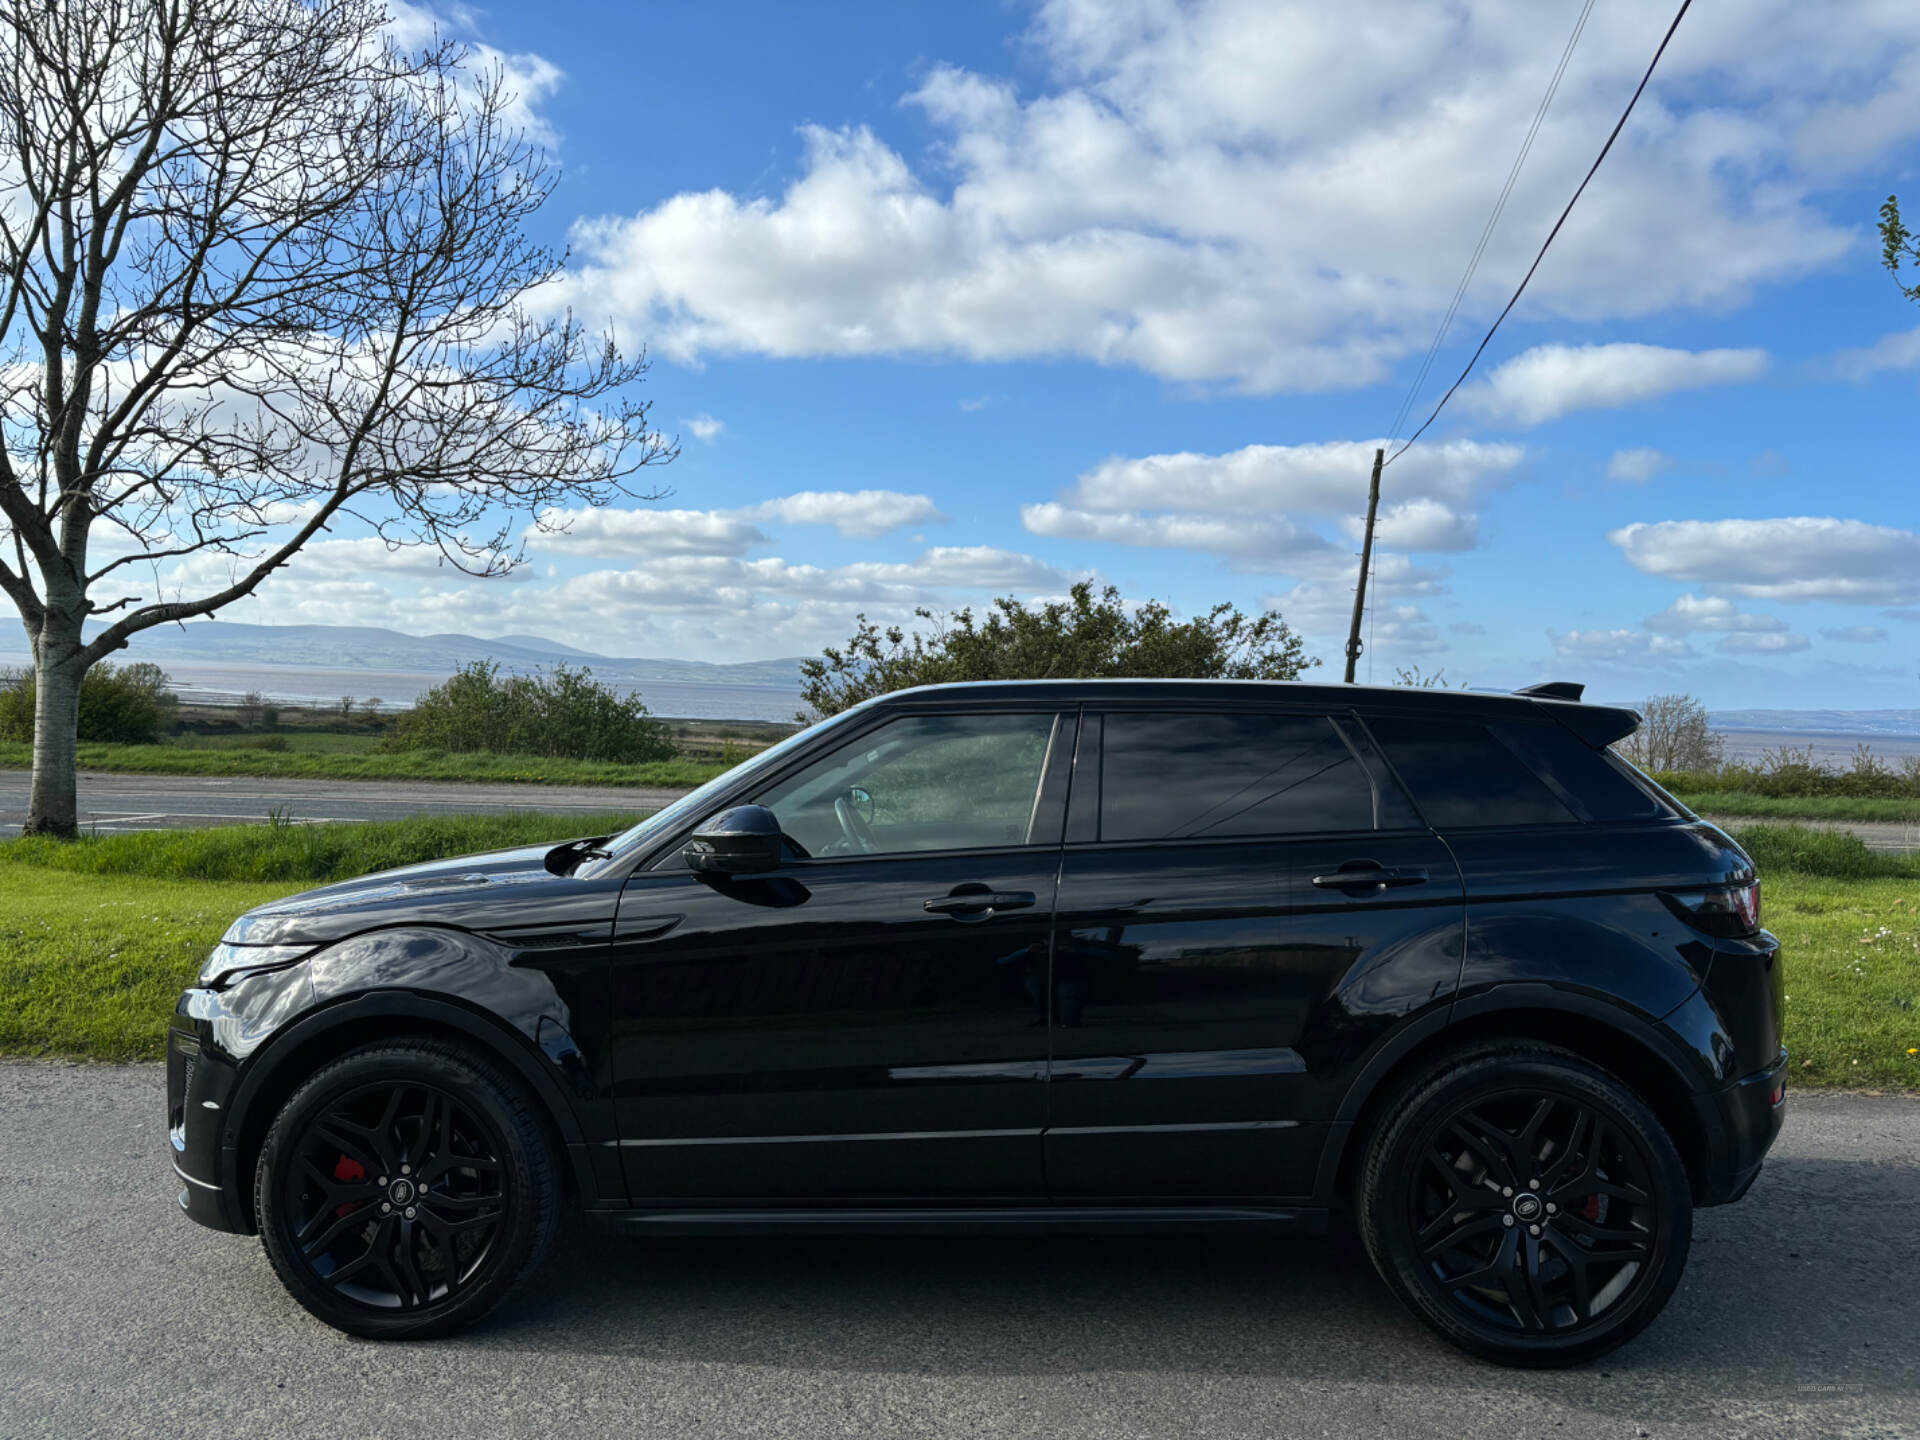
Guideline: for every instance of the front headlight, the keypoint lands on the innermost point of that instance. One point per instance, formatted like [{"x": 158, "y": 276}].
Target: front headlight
[{"x": 230, "y": 962}]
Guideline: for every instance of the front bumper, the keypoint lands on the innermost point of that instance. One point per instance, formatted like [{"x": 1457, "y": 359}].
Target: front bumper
[
  {"x": 201, "y": 1082},
  {"x": 1741, "y": 1122}
]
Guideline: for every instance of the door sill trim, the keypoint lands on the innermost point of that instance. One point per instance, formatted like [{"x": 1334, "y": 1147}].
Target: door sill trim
[{"x": 947, "y": 1221}]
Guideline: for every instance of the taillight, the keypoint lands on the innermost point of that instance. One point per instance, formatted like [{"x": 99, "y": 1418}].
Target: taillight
[{"x": 1732, "y": 910}]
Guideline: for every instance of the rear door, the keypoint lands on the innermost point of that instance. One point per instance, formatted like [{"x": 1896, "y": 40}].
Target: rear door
[
  {"x": 1231, "y": 881},
  {"x": 866, "y": 1023}
]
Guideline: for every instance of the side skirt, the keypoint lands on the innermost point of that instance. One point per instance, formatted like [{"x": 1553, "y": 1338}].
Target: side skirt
[{"x": 1034, "y": 1219}]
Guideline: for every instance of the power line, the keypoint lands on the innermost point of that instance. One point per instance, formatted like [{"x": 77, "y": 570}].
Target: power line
[
  {"x": 1493, "y": 220},
  {"x": 1486, "y": 339}
]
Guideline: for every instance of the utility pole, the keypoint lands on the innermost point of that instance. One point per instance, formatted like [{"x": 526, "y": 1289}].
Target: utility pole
[{"x": 1366, "y": 561}]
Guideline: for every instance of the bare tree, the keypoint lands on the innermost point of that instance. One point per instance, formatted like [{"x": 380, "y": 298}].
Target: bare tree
[
  {"x": 1674, "y": 735},
  {"x": 250, "y": 706},
  {"x": 266, "y": 272}
]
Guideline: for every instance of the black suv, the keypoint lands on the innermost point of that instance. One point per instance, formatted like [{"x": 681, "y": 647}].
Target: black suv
[{"x": 1124, "y": 953}]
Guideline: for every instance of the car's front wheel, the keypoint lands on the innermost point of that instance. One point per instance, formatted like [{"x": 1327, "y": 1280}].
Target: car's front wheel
[
  {"x": 405, "y": 1189},
  {"x": 1527, "y": 1205}
]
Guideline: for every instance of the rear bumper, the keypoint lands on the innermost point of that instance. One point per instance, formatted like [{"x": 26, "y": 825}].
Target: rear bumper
[
  {"x": 201, "y": 1083},
  {"x": 1741, "y": 1122}
]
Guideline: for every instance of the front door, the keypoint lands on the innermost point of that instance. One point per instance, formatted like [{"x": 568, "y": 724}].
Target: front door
[
  {"x": 1208, "y": 952},
  {"x": 867, "y": 1023}
]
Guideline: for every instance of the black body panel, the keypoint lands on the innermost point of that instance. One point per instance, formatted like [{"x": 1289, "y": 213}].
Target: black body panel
[
  {"x": 1184, "y": 1026},
  {"x": 819, "y": 1032}
]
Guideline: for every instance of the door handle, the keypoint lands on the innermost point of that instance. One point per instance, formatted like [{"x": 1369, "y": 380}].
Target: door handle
[
  {"x": 977, "y": 902},
  {"x": 1356, "y": 875}
]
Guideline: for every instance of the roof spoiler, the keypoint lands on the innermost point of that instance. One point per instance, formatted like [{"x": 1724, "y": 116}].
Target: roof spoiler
[
  {"x": 1554, "y": 690},
  {"x": 1598, "y": 725}
]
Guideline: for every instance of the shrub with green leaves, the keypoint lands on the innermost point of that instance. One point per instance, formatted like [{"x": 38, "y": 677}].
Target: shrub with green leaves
[
  {"x": 562, "y": 713},
  {"x": 119, "y": 705},
  {"x": 1085, "y": 636}
]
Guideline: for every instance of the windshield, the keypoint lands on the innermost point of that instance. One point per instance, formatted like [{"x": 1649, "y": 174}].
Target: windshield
[{"x": 693, "y": 804}]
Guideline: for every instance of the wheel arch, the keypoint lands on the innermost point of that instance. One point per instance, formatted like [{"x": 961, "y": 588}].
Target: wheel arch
[
  {"x": 350, "y": 1023},
  {"x": 1631, "y": 1049}
]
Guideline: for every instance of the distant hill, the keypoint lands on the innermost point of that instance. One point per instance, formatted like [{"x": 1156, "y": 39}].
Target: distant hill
[{"x": 352, "y": 647}]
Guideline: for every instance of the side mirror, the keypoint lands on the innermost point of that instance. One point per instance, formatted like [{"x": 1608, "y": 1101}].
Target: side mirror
[{"x": 742, "y": 841}]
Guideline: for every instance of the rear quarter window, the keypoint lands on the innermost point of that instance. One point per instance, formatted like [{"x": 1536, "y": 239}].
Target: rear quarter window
[
  {"x": 1462, "y": 775},
  {"x": 1599, "y": 782}
]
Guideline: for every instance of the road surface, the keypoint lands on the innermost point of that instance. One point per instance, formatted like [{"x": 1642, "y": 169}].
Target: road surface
[
  {"x": 110, "y": 802},
  {"x": 118, "y": 1317}
]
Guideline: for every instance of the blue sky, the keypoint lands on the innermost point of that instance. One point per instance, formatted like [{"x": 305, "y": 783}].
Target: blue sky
[{"x": 952, "y": 301}]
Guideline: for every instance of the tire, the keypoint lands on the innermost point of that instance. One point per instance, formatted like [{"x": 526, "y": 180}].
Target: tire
[
  {"x": 448, "y": 1168},
  {"x": 1555, "y": 1272}
]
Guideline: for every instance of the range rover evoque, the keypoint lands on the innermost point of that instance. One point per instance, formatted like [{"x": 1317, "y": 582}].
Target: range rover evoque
[{"x": 1107, "y": 953}]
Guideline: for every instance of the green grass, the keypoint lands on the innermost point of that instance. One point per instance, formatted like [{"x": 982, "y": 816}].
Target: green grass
[
  {"x": 90, "y": 966},
  {"x": 367, "y": 765},
  {"x": 1852, "y": 951},
  {"x": 1831, "y": 854},
  {"x": 299, "y": 742},
  {"x": 311, "y": 854},
  {"x": 1745, "y": 803},
  {"x": 93, "y": 970}
]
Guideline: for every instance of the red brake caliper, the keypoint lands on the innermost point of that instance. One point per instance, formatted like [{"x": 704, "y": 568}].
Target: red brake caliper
[
  {"x": 1592, "y": 1208},
  {"x": 346, "y": 1171}
]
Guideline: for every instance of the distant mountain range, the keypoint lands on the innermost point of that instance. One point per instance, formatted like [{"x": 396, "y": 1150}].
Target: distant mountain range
[{"x": 355, "y": 647}]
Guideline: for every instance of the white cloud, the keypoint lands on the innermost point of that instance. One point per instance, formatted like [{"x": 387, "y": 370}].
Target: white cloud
[
  {"x": 1423, "y": 524},
  {"x": 1637, "y": 467},
  {"x": 1773, "y": 642},
  {"x": 1268, "y": 545},
  {"x": 705, "y": 427},
  {"x": 648, "y": 533},
  {"x": 1325, "y": 478},
  {"x": 1617, "y": 645},
  {"x": 858, "y": 514},
  {"x": 644, "y": 534},
  {"x": 1792, "y": 558},
  {"x": 1855, "y": 634},
  {"x": 1216, "y": 192},
  {"x": 1712, "y": 612},
  {"x": 1550, "y": 381},
  {"x": 1900, "y": 351}
]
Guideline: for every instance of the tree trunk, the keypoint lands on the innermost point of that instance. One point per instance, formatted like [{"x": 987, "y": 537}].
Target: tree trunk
[{"x": 54, "y": 808}]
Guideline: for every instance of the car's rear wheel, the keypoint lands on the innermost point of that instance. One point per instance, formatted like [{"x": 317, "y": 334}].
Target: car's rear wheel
[
  {"x": 1527, "y": 1205},
  {"x": 405, "y": 1189}
]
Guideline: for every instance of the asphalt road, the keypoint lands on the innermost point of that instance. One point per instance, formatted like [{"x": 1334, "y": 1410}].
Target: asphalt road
[
  {"x": 1799, "y": 1317},
  {"x": 111, "y": 802}
]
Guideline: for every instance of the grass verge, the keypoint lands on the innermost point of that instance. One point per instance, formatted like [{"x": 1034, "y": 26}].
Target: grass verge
[
  {"x": 90, "y": 966},
  {"x": 312, "y": 854},
  {"x": 1747, "y": 804},
  {"x": 376, "y": 765}
]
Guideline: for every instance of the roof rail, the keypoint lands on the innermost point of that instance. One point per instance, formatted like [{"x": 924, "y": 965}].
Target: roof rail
[{"x": 1554, "y": 690}]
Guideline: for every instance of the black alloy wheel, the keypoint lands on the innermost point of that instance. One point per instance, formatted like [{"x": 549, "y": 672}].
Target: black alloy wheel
[
  {"x": 1528, "y": 1206},
  {"x": 404, "y": 1189}
]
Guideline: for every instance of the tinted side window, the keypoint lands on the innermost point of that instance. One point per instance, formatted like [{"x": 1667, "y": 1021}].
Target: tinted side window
[
  {"x": 922, "y": 782},
  {"x": 1184, "y": 776},
  {"x": 1460, "y": 775},
  {"x": 1598, "y": 782}
]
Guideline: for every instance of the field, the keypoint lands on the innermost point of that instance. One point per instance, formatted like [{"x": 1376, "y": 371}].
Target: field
[{"x": 98, "y": 937}]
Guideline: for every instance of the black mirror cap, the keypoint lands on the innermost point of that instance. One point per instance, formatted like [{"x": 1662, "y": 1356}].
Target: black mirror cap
[{"x": 742, "y": 841}]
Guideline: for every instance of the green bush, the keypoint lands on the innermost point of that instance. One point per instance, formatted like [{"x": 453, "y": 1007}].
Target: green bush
[
  {"x": 119, "y": 705},
  {"x": 1838, "y": 854},
  {"x": 563, "y": 714}
]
